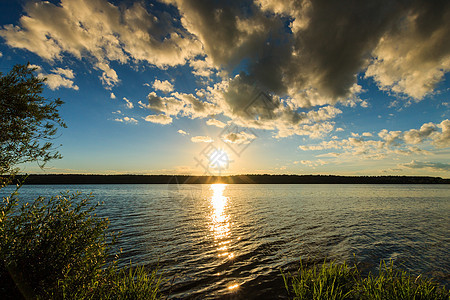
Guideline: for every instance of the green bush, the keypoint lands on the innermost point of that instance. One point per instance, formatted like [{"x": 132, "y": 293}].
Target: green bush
[
  {"x": 57, "y": 248},
  {"x": 332, "y": 281}
]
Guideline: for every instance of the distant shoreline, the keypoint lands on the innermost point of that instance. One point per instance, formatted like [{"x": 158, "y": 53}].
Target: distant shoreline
[{"x": 234, "y": 179}]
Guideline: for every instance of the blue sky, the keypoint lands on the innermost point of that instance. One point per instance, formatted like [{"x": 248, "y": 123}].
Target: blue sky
[{"x": 231, "y": 87}]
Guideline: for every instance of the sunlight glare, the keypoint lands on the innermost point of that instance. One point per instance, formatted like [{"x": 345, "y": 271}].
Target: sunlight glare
[
  {"x": 219, "y": 159},
  {"x": 220, "y": 225},
  {"x": 218, "y": 202}
]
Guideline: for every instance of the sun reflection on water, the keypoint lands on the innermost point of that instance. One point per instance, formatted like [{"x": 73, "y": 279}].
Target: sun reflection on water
[
  {"x": 220, "y": 226},
  {"x": 220, "y": 221}
]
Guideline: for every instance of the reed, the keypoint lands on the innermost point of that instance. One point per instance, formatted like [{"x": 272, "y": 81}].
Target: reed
[{"x": 341, "y": 281}]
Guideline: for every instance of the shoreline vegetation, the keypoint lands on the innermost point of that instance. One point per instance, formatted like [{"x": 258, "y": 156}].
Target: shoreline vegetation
[
  {"x": 330, "y": 280},
  {"x": 58, "y": 248},
  {"x": 233, "y": 179}
]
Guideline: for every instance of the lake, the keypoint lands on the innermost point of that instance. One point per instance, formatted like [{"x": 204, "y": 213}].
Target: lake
[{"x": 230, "y": 241}]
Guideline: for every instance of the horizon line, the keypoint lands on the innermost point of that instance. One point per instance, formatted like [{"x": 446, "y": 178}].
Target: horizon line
[{"x": 221, "y": 175}]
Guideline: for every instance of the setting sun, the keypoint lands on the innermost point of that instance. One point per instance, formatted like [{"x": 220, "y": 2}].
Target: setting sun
[{"x": 219, "y": 159}]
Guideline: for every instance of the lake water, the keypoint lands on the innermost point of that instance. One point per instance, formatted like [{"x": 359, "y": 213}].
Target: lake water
[{"x": 230, "y": 241}]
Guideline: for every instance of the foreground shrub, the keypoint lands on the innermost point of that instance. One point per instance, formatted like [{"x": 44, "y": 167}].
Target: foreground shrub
[
  {"x": 332, "y": 281},
  {"x": 58, "y": 248}
]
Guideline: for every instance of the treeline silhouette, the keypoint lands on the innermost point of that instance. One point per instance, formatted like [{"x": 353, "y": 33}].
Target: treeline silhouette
[{"x": 236, "y": 179}]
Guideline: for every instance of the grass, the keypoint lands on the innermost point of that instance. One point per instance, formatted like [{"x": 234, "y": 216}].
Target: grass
[
  {"x": 341, "y": 281},
  {"x": 57, "y": 248},
  {"x": 125, "y": 283}
]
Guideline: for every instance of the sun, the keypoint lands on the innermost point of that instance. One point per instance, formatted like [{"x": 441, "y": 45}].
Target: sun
[{"x": 219, "y": 159}]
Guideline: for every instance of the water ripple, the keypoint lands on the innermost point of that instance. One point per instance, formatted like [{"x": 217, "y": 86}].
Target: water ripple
[{"x": 231, "y": 240}]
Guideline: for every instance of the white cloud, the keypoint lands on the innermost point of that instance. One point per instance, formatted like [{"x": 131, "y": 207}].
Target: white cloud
[
  {"x": 169, "y": 105},
  {"x": 202, "y": 67},
  {"x": 159, "y": 119},
  {"x": 180, "y": 104},
  {"x": 101, "y": 32},
  {"x": 391, "y": 142},
  {"x": 36, "y": 68},
  {"x": 433, "y": 166},
  {"x": 217, "y": 123},
  {"x": 364, "y": 104},
  {"x": 442, "y": 139},
  {"x": 413, "y": 58},
  {"x": 195, "y": 108},
  {"x": 352, "y": 99},
  {"x": 428, "y": 131},
  {"x": 330, "y": 154},
  {"x": 182, "y": 132},
  {"x": 129, "y": 104},
  {"x": 415, "y": 136},
  {"x": 313, "y": 164},
  {"x": 201, "y": 139},
  {"x": 58, "y": 78},
  {"x": 164, "y": 86},
  {"x": 109, "y": 77},
  {"x": 112, "y": 96},
  {"x": 238, "y": 137},
  {"x": 55, "y": 81},
  {"x": 249, "y": 107},
  {"x": 126, "y": 120},
  {"x": 68, "y": 73},
  {"x": 312, "y": 147}
]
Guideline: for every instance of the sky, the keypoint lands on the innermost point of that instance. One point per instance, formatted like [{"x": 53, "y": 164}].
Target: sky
[{"x": 240, "y": 87}]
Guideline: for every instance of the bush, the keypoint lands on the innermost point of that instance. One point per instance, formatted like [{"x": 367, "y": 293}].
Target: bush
[
  {"x": 58, "y": 248},
  {"x": 332, "y": 281}
]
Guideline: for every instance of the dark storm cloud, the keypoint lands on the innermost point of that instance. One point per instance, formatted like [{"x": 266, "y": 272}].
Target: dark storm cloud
[
  {"x": 337, "y": 43},
  {"x": 338, "y": 40},
  {"x": 309, "y": 50},
  {"x": 229, "y": 30}
]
